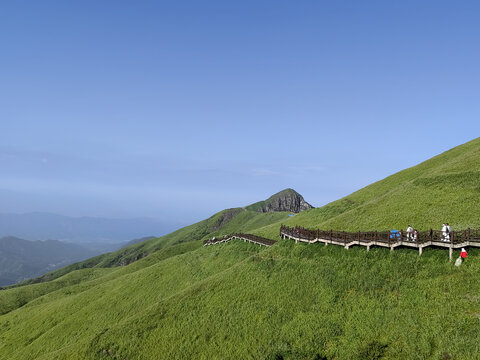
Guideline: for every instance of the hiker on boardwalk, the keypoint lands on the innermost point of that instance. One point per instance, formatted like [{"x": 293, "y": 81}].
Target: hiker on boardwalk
[
  {"x": 409, "y": 233},
  {"x": 446, "y": 232},
  {"x": 415, "y": 235}
]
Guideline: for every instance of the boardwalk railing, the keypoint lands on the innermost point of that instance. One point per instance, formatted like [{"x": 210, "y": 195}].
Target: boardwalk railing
[
  {"x": 245, "y": 237},
  {"x": 419, "y": 239}
]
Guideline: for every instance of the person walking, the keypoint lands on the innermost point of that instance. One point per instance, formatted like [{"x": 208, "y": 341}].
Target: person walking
[
  {"x": 409, "y": 233},
  {"x": 445, "y": 233}
]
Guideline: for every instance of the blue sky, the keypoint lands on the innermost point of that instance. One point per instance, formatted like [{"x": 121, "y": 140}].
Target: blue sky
[{"x": 178, "y": 109}]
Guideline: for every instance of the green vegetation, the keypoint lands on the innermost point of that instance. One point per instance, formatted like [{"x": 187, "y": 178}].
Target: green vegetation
[
  {"x": 237, "y": 300},
  {"x": 445, "y": 188},
  {"x": 219, "y": 224}
]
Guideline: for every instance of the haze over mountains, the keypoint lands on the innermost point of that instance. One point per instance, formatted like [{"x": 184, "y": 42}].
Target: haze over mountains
[
  {"x": 22, "y": 259},
  {"x": 281, "y": 205},
  {"x": 47, "y": 226},
  {"x": 30, "y": 246}
]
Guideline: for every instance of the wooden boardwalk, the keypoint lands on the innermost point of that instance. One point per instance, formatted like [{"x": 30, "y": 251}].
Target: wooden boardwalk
[
  {"x": 245, "y": 237},
  {"x": 452, "y": 240}
]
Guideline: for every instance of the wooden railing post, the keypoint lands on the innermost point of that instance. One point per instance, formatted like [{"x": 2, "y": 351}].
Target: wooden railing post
[{"x": 450, "y": 250}]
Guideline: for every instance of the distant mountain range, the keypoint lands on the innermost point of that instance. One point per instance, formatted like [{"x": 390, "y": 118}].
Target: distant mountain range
[
  {"x": 277, "y": 208},
  {"x": 46, "y": 226},
  {"x": 81, "y": 238},
  {"x": 22, "y": 259}
]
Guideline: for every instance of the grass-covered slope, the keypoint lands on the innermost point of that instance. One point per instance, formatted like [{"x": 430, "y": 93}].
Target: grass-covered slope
[
  {"x": 240, "y": 301},
  {"x": 445, "y": 188},
  {"x": 223, "y": 223}
]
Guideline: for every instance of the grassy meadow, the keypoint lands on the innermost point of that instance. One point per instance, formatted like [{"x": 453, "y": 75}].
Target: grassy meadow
[{"x": 239, "y": 300}]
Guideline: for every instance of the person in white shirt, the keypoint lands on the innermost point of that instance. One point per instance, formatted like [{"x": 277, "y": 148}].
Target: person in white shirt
[
  {"x": 409, "y": 233},
  {"x": 449, "y": 231},
  {"x": 445, "y": 232}
]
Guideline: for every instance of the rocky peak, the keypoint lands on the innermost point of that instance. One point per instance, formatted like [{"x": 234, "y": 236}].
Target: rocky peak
[{"x": 285, "y": 200}]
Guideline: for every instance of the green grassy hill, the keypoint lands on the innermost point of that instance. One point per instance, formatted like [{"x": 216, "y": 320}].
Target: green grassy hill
[
  {"x": 445, "y": 188},
  {"x": 238, "y": 300},
  {"x": 225, "y": 222},
  {"x": 174, "y": 299}
]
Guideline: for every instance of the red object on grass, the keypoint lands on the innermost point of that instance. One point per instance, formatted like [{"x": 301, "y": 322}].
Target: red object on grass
[{"x": 463, "y": 254}]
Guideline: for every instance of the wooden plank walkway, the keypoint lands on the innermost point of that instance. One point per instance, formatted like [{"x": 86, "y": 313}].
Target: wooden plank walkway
[
  {"x": 245, "y": 237},
  {"x": 452, "y": 240}
]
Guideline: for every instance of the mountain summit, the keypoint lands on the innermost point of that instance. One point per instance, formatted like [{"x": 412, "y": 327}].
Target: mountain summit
[{"x": 285, "y": 200}]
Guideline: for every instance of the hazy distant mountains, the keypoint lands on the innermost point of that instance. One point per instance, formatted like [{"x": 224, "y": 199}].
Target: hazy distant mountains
[
  {"x": 45, "y": 226},
  {"x": 81, "y": 238},
  {"x": 21, "y": 259}
]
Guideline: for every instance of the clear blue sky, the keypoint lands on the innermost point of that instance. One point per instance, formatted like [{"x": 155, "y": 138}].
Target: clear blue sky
[{"x": 178, "y": 109}]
